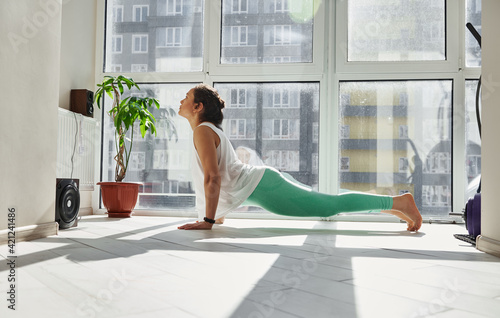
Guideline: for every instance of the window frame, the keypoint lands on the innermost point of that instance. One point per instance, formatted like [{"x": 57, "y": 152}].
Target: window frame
[
  {"x": 329, "y": 67},
  {"x": 453, "y": 68},
  {"x": 266, "y": 72}
]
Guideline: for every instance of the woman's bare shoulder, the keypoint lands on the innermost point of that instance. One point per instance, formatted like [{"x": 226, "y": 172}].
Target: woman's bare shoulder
[{"x": 204, "y": 133}]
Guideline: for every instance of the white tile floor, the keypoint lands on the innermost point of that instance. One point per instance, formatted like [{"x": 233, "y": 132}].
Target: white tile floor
[{"x": 145, "y": 267}]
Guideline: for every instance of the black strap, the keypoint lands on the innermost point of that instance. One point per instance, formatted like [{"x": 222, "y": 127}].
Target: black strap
[{"x": 211, "y": 221}]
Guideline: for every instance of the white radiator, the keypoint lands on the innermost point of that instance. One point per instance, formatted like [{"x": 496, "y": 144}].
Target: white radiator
[{"x": 76, "y": 142}]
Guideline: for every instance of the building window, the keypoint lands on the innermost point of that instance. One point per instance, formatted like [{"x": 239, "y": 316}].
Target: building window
[
  {"x": 345, "y": 164},
  {"x": 174, "y": 36},
  {"x": 116, "y": 45},
  {"x": 238, "y": 128},
  {"x": 140, "y": 43},
  {"x": 169, "y": 37},
  {"x": 438, "y": 163},
  {"x": 345, "y": 131},
  {"x": 283, "y": 160},
  {"x": 239, "y": 6},
  {"x": 139, "y": 68},
  {"x": 315, "y": 132},
  {"x": 137, "y": 161},
  {"x": 169, "y": 159},
  {"x": 473, "y": 166},
  {"x": 117, "y": 15},
  {"x": 281, "y": 6},
  {"x": 239, "y": 60},
  {"x": 281, "y": 98},
  {"x": 435, "y": 197},
  {"x": 403, "y": 164},
  {"x": 315, "y": 163},
  {"x": 281, "y": 35},
  {"x": 239, "y": 35},
  {"x": 116, "y": 68},
  {"x": 281, "y": 59},
  {"x": 173, "y": 7},
  {"x": 141, "y": 13},
  {"x": 403, "y": 131},
  {"x": 238, "y": 97},
  {"x": 281, "y": 129}
]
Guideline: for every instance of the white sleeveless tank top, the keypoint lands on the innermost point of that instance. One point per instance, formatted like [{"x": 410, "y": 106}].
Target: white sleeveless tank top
[{"x": 238, "y": 180}]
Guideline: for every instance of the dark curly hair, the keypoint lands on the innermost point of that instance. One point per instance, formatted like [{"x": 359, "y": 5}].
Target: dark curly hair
[{"x": 213, "y": 104}]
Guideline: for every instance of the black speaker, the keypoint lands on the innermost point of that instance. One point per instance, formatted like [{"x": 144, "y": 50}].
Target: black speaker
[
  {"x": 67, "y": 202},
  {"x": 82, "y": 102}
]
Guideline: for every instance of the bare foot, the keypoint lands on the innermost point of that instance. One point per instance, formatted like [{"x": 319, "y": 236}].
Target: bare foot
[
  {"x": 404, "y": 207},
  {"x": 220, "y": 220}
]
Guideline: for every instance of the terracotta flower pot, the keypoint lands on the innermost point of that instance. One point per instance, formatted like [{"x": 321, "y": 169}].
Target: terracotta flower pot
[{"x": 119, "y": 198}]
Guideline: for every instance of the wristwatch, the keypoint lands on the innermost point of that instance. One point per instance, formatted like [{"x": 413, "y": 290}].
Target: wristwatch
[{"x": 211, "y": 221}]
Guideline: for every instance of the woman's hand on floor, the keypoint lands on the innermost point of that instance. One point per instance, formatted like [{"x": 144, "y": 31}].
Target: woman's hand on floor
[{"x": 196, "y": 226}]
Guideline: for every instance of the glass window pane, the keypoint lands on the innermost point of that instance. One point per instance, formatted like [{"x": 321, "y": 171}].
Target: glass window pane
[
  {"x": 381, "y": 30},
  {"x": 178, "y": 42},
  {"x": 472, "y": 138},
  {"x": 266, "y": 31},
  {"x": 160, "y": 164},
  {"x": 472, "y": 49},
  {"x": 398, "y": 140},
  {"x": 282, "y": 138}
]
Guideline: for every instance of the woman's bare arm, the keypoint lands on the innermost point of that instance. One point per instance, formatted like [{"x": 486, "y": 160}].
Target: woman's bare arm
[{"x": 206, "y": 142}]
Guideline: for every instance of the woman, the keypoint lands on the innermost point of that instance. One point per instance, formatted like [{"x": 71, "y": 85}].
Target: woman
[{"x": 227, "y": 183}]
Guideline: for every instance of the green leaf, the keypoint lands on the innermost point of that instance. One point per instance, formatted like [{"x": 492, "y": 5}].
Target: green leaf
[
  {"x": 110, "y": 94},
  {"x": 143, "y": 129},
  {"x": 120, "y": 87}
]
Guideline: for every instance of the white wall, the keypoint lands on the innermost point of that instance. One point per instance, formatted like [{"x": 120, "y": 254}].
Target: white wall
[
  {"x": 29, "y": 65},
  {"x": 78, "y": 63},
  {"x": 77, "y": 48},
  {"x": 490, "y": 205}
]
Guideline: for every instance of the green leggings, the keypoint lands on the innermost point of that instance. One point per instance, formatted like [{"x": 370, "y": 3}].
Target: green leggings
[{"x": 279, "y": 195}]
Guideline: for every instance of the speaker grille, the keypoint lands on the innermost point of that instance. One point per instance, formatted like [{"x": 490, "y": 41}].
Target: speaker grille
[{"x": 67, "y": 202}]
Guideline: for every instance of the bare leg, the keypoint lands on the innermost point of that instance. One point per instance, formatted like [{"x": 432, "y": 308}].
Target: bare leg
[{"x": 404, "y": 207}]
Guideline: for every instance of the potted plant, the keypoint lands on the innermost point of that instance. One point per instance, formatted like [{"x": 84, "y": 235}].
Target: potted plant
[{"x": 120, "y": 197}]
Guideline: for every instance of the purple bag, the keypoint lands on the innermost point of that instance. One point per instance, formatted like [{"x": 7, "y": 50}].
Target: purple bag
[{"x": 472, "y": 215}]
